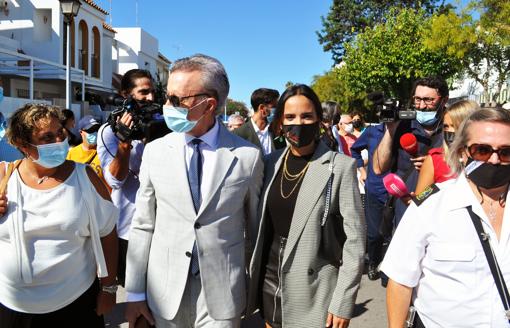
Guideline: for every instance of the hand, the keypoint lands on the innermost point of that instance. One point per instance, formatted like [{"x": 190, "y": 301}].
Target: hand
[
  {"x": 336, "y": 322},
  {"x": 126, "y": 119},
  {"x": 407, "y": 198},
  {"x": 363, "y": 175},
  {"x": 105, "y": 302},
  {"x": 3, "y": 204},
  {"x": 392, "y": 126},
  {"x": 418, "y": 162},
  {"x": 136, "y": 309}
]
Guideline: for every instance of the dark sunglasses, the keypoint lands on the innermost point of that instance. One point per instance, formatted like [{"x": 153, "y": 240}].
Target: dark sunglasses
[
  {"x": 481, "y": 152},
  {"x": 177, "y": 101}
]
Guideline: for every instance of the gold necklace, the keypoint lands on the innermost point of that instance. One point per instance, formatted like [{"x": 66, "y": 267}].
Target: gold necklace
[
  {"x": 289, "y": 176},
  {"x": 299, "y": 177}
]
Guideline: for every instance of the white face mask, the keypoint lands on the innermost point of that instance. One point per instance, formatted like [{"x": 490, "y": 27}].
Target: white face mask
[{"x": 348, "y": 128}]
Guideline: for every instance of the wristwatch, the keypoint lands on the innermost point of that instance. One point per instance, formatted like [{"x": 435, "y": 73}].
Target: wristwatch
[{"x": 112, "y": 289}]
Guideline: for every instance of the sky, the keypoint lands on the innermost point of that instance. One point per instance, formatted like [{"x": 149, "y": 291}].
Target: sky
[{"x": 261, "y": 43}]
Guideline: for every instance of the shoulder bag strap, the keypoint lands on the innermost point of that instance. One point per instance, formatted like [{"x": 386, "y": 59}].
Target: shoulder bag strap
[
  {"x": 328, "y": 189},
  {"x": 493, "y": 262},
  {"x": 11, "y": 166}
]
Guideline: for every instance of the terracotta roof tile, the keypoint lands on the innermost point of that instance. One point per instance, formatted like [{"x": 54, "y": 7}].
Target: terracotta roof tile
[
  {"x": 108, "y": 27},
  {"x": 94, "y": 5}
]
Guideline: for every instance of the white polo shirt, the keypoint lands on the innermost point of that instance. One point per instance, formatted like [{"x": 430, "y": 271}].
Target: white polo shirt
[{"x": 436, "y": 251}]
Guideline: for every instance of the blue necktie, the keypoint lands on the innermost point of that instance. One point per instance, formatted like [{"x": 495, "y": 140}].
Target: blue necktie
[{"x": 195, "y": 180}]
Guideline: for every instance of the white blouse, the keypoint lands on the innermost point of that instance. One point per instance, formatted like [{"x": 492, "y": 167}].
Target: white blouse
[
  {"x": 50, "y": 249},
  {"x": 436, "y": 251}
]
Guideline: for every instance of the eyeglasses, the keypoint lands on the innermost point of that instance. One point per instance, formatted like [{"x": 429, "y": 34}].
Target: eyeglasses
[
  {"x": 426, "y": 100},
  {"x": 481, "y": 152},
  {"x": 177, "y": 101}
]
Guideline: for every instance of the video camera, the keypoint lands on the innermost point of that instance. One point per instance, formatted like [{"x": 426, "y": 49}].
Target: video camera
[
  {"x": 391, "y": 109},
  {"x": 148, "y": 122}
]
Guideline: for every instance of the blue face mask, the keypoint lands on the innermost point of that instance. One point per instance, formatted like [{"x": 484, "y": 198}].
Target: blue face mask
[
  {"x": 270, "y": 118},
  {"x": 426, "y": 118},
  {"x": 52, "y": 155},
  {"x": 176, "y": 118},
  {"x": 92, "y": 138}
]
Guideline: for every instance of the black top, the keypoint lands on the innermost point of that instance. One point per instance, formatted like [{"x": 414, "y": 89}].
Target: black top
[{"x": 280, "y": 209}]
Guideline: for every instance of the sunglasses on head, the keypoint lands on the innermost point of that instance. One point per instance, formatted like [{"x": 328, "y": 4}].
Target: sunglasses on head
[{"x": 482, "y": 152}]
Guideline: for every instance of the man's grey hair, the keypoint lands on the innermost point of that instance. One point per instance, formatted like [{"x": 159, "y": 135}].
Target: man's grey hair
[
  {"x": 235, "y": 117},
  {"x": 214, "y": 77}
]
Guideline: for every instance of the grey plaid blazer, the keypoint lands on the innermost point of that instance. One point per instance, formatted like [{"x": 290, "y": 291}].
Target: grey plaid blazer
[{"x": 312, "y": 287}]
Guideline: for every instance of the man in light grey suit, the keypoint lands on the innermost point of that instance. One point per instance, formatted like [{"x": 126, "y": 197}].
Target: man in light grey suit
[{"x": 195, "y": 209}]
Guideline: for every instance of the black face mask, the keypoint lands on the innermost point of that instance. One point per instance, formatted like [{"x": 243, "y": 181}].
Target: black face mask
[
  {"x": 487, "y": 175},
  {"x": 357, "y": 124},
  {"x": 301, "y": 135},
  {"x": 448, "y": 137}
]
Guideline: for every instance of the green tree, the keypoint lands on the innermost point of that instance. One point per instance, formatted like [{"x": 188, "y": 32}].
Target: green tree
[
  {"x": 391, "y": 56},
  {"x": 331, "y": 86},
  {"x": 234, "y": 106},
  {"x": 348, "y": 18},
  {"x": 482, "y": 45}
]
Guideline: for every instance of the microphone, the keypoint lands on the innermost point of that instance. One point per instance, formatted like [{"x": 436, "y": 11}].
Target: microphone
[
  {"x": 395, "y": 185},
  {"x": 409, "y": 143}
]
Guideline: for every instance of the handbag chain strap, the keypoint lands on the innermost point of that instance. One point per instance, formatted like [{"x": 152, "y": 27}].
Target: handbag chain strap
[
  {"x": 493, "y": 262},
  {"x": 328, "y": 190}
]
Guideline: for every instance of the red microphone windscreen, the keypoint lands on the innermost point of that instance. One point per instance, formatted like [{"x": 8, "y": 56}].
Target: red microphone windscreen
[{"x": 409, "y": 143}]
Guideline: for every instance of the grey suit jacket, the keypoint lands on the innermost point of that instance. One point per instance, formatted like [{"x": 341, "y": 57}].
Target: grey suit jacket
[
  {"x": 165, "y": 226},
  {"x": 312, "y": 287}
]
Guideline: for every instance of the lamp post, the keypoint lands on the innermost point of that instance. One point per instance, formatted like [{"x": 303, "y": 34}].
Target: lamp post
[{"x": 70, "y": 9}]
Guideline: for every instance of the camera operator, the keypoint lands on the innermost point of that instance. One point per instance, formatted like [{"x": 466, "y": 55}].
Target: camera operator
[
  {"x": 120, "y": 160},
  {"x": 429, "y": 98}
]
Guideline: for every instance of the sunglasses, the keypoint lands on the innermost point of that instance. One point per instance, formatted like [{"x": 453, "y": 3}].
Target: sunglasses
[
  {"x": 177, "y": 101},
  {"x": 481, "y": 152}
]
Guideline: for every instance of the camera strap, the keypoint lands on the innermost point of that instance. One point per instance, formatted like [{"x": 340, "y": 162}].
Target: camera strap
[{"x": 493, "y": 262}]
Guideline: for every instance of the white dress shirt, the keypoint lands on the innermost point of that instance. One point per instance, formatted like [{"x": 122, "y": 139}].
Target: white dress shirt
[
  {"x": 264, "y": 137},
  {"x": 436, "y": 251},
  {"x": 209, "y": 160}
]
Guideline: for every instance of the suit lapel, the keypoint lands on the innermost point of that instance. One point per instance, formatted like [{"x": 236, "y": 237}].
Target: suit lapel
[
  {"x": 177, "y": 165},
  {"x": 224, "y": 160},
  {"x": 312, "y": 188},
  {"x": 254, "y": 137}
]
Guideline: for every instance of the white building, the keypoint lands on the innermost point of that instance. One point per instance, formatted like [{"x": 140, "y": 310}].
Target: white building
[
  {"x": 33, "y": 54},
  {"x": 136, "y": 48}
]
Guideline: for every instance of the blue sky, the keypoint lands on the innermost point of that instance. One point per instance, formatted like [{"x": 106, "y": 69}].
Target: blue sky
[{"x": 262, "y": 43}]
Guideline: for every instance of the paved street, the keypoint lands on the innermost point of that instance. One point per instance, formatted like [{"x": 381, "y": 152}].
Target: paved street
[{"x": 370, "y": 308}]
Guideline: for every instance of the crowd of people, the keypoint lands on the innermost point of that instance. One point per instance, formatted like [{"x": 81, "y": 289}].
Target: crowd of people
[{"x": 276, "y": 215}]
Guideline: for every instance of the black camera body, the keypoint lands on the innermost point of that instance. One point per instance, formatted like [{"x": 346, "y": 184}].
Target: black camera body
[
  {"x": 147, "y": 119},
  {"x": 391, "y": 109}
]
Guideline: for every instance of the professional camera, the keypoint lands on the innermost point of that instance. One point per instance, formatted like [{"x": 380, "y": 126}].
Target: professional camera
[
  {"x": 148, "y": 122},
  {"x": 391, "y": 109}
]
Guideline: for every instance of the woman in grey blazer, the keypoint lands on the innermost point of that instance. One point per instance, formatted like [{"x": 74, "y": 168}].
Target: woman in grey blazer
[{"x": 293, "y": 284}]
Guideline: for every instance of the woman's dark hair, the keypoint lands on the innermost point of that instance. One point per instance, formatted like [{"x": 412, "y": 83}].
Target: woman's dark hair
[
  {"x": 294, "y": 90},
  {"x": 306, "y": 91}
]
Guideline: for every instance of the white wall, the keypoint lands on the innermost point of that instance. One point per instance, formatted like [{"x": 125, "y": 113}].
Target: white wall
[
  {"x": 9, "y": 105},
  {"x": 136, "y": 49}
]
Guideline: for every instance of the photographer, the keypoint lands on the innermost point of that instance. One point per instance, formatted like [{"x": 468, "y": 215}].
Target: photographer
[
  {"x": 429, "y": 98},
  {"x": 120, "y": 160}
]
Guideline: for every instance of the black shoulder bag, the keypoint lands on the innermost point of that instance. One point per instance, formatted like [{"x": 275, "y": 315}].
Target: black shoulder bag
[
  {"x": 493, "y": 262},
  {"x": 332, "y": 231}
]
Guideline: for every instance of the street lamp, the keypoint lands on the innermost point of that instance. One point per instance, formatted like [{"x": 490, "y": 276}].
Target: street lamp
[{"x": 70, "y": 9}]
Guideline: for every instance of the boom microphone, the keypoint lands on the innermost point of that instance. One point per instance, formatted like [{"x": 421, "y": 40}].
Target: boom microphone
[
  {"x": 409, "y": 143},
  {"x": 395, "y": 185}
]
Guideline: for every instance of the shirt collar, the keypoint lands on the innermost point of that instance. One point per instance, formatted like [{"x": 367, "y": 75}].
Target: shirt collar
[
  {"x": 459, "y": 193},
  {"x": 255, "y": 126},
  {"x": 210, "y": 138}
]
